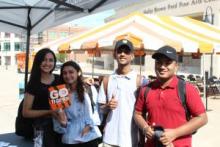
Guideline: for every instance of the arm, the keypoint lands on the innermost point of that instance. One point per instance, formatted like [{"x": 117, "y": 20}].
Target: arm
[
  {"x": 58, "y": 127},
  {"x": 199, "y": 117},
  {"x": 104, "y": 104},
  {"x": 142, "y": 124},
  {"x": 188, "y": 128},
  {"x": 88, "y": 115},
  {"x": 140, "y": 109},
  {"x": 29, "y": 112}
]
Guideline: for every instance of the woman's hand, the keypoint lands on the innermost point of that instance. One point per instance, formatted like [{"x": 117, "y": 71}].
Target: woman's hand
[{"x": 60, "y": 115}]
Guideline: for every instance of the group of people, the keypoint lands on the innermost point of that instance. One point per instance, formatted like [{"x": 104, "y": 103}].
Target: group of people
[{"x": 131, "y": 118}]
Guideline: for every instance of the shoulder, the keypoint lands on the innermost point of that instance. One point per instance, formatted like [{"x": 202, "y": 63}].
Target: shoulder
[
  {"x": 190, "y": 87},
  {"x": 31, "y": 87}
]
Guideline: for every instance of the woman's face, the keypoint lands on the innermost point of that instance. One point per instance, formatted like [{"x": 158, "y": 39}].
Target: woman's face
[
  {"x": 47, "y": 64},
  {"x": 70, "y": 75}
]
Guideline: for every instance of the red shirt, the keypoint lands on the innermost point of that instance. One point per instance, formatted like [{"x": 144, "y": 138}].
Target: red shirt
[{"x": 164, "y": 107}]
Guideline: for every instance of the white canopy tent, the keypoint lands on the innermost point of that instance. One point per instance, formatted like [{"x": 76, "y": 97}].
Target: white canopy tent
[{"x": 33, "y": 16}]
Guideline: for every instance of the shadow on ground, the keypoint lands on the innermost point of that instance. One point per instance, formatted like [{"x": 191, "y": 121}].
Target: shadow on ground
[{"x": 12, "y": 140}]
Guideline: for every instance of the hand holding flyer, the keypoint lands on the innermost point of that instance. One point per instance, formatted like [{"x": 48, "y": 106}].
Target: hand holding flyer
[{"x": 58, "y": 97}]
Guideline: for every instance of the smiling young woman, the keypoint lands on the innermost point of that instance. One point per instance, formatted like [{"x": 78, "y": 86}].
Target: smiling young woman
[{"x": 36, "y": 103}]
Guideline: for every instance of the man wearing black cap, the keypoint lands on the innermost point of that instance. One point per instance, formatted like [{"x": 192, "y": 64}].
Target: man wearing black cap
[
  {"x": 164, "y": 107},
  {"x": 118, "y": 96}
]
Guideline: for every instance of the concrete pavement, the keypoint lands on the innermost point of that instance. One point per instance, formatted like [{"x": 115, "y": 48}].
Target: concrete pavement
[{"x": 207, "y": 136}]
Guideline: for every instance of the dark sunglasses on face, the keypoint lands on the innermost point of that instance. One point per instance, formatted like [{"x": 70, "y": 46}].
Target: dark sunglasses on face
[{"x": 124, "y": 50}]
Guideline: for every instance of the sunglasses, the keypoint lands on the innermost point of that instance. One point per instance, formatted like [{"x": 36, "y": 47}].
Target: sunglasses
[{"x": 123, "y": 50}]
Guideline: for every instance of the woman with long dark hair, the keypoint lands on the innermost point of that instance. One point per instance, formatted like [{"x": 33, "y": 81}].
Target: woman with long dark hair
[
  {"x": 36, "y": 103},
  {"x": 80, "y": 129}
]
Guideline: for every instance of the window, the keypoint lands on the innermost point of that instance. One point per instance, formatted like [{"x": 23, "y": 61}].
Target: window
[
  {"x": 17, "y": 46},
  {"x": 63, "y": 34},
  {"x": 7, "y": 35},
  {"x": 17, "y": 36},
  {"x": 40, "y": 37},
  {"x": 52, "y": 35},
  {"x": 139, "y": 60},
  {"x": 7, "y": 46},
  {"x": 7, "y": 60},
  {"x": 180, "y": 58}
]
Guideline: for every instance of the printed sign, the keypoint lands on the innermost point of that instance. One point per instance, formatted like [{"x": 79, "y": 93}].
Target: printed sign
[{"x": 58, "y": 97}]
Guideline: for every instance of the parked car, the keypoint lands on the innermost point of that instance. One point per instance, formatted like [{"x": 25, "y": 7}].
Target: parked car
[{"x": 58, "y": 65}]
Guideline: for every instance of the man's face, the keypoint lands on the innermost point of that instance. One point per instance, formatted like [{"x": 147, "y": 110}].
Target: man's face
[
  {"x": 124, "y": 55},
  {"x": 165, "y": 68}
]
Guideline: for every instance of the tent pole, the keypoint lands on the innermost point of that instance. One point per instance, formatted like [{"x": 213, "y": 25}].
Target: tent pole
[
  {"x": 140, "y": 64},
  {"x": 204, "y": 83},
  {"x": 93, "y": 60},
  {"x": 27, "y": 48}
]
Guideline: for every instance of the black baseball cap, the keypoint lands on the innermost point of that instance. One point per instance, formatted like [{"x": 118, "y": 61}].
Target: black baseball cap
[
  {"x": 166, "y": 51},
  {"x": 124, "y": 42}
]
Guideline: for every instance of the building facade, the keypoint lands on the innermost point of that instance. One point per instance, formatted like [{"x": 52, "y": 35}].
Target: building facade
[
  {"x": 203, "y": 10},
  {"x": 10, "y": 45}
]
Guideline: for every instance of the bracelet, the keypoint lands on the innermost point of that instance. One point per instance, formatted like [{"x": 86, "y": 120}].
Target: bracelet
[{"x": 59, "y": 110}]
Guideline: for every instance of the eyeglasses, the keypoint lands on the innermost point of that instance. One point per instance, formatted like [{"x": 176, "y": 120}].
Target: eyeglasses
[{"x": 123, "y": 50}]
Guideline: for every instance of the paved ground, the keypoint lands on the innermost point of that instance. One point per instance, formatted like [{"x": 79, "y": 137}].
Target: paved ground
[{"x": 207, "y": 136}]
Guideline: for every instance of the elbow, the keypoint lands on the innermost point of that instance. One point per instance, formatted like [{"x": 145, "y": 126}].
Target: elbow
[
  {"x": 25, "y": 112},
  {"x": 205, "y": 120}
]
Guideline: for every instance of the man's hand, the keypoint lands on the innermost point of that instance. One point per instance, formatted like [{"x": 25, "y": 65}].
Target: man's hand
[
  {"x": 149, "y": 132},
  {"x": 113, "y": 103},
  {"x": 168, "y": 136},
  {"x": 89, "y": 81}
]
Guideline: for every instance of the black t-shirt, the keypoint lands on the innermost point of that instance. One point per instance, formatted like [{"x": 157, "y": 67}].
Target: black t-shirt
[{"x": 41, "y": 93}]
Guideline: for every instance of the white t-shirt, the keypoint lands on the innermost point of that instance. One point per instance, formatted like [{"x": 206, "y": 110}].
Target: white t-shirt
[{"x": 120, "y": 129}]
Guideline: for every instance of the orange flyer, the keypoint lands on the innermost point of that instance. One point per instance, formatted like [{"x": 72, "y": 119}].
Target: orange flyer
[{"x": 59, "y": 97}]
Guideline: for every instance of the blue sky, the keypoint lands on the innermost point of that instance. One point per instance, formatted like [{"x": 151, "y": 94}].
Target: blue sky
[{"x": 93, "y": 20}]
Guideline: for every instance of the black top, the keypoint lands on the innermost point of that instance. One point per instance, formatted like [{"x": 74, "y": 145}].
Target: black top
[{"x": 41, "y": 93}]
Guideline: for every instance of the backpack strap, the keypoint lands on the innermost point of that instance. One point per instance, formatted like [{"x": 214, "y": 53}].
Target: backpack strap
[
  {"x": 182, "y": 95},
  {"x": 146, "y": 91}
]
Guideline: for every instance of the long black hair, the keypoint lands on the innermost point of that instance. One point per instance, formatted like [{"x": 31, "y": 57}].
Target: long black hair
[
  {"x": 80, "y": 85},
  {"x": 35, "y": 76}
]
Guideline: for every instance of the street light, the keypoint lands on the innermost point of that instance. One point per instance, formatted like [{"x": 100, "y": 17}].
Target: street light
[{"x": 208, "y": 17}]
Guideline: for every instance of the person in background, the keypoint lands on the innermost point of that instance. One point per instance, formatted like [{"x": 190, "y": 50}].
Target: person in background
[
  {"x": 164, "y": 108},
  {"x": 117, "y": 99},
  {"x": 79, "y": 126},
  {"x": 36, "y": 103}
]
